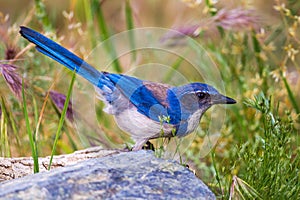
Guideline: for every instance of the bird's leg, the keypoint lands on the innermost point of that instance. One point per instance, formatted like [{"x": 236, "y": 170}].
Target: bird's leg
[{"x": 139, "y": 144}]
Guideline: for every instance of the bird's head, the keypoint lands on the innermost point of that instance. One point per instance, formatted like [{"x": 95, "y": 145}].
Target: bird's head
[
  {"x": 195, "y": 96},
  {"x": 207, "y": 94},
  {"x": 189, "y": 102}
]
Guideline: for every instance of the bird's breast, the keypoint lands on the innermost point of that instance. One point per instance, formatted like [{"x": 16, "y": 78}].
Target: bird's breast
[
  {"x": 194, "y": 120},
  {"x": 140, "y": 126}
]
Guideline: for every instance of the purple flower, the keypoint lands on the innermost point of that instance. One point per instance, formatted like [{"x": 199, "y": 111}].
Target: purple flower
[
  {"x": 58, "y": 100},
  {"x": 12, "y": 78},
  {"x": 236, "y": 19}
]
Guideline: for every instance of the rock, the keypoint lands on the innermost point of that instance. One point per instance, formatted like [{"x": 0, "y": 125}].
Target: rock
[
  {"x": 126, "y": 175},
  {"x": 11, "y": 168}
]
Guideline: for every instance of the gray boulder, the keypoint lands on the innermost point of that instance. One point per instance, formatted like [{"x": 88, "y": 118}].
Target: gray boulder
[{"x": 125, "y": 175}]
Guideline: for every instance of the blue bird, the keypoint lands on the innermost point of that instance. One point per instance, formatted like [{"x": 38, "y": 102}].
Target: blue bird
[{"x": 144, "y": 109}]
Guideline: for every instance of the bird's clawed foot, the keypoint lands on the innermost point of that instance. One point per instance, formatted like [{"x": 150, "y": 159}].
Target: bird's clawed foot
[{"x": 146, "y": 145}]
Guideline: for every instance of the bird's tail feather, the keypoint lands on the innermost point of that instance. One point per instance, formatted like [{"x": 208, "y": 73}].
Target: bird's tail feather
[{"x": 62, "y": 55}]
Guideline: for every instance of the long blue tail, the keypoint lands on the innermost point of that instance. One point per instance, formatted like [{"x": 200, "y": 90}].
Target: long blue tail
[{"x": 63, "y": 56}]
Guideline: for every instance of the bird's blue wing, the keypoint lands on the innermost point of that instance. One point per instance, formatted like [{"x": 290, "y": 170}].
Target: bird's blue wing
[
  {"x": 139, "y": 95},
  {"x": 155, "y": 103}
]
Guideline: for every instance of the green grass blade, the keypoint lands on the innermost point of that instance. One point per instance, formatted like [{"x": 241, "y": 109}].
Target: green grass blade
[
  {"x": 62, "y": 119},
  {"x": 72, "y": 142},
  {"x": 35, "y": 110},
  {"x": 29, "y": 132},
  {"x": 130, "y": 26},
  {"x": 14, "y": 128},
  {"x": 12, "y": 122},
  {"x": 5, "y": 150},
  {"x": 217, "y": 175},
  {"x": 89, "y": 21},
  {"x": 105, "y": 35},
  {"x": 257, "y": 50},
  {"x": 291, "y": 95},
  {"x": 173, "y": 70}
]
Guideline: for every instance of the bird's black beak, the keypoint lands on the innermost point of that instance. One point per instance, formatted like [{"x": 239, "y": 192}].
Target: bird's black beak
[{"x": 221, "y": 99}]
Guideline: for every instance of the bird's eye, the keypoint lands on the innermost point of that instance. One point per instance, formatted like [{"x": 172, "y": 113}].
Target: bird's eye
[{"x": 201, "y": 95}]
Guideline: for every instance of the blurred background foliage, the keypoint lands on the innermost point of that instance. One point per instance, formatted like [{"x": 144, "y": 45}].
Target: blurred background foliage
[{"x": 255, "y": 45}]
